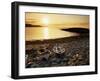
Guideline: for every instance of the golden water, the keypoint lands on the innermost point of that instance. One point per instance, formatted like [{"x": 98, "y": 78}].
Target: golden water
[{"x": 41, "y": 33}]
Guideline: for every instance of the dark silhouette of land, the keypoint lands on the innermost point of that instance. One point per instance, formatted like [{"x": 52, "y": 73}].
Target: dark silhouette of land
[
  {"x": 31, "y": 25},
  {"x": 81, "y": 31}
]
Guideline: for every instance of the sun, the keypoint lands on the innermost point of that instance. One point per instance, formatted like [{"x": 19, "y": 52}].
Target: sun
[{"x": 45, "y": 21}]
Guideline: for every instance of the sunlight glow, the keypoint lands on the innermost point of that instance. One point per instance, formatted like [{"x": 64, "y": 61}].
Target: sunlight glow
[{"x": 45, "y": 21}]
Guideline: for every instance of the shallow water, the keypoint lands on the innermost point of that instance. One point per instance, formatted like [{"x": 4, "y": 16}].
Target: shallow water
[{"x": 40, "y": 33}]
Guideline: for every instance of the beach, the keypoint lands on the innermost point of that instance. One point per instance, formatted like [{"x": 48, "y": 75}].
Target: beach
[{"x": 67, "y": 51}]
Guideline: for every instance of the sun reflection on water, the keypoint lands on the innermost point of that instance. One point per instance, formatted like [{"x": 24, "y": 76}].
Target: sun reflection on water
[
  {"x": 41, "y": 33},
  {"x": 46, "y": 33}
]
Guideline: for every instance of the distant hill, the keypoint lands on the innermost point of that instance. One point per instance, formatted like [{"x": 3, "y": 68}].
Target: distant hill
[
  {"x": 77, "y": 30},
  {"x": 31, "y": 25}
]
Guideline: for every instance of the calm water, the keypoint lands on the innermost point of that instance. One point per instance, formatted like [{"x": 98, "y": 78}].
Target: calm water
[{"x": 40, "y": 33}]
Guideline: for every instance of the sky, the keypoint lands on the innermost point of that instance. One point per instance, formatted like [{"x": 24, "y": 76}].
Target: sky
[{"x": 57, "y": 20}]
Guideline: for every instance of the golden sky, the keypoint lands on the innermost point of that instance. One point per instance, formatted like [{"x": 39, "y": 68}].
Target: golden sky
[{"x": 57, "y": 20}]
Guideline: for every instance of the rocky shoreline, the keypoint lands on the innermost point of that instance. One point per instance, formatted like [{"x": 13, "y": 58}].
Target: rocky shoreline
[{"x": 72, "y": 51}]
